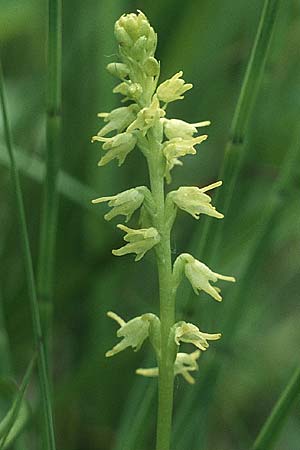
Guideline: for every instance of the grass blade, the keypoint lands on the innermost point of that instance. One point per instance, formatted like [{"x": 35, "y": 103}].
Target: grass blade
[
  {"x": 9, "y": 426},
  {"x": 274, "y": 423},
  {"x": 5, "y": 367},
  {"x": 131, "y": 428},
  {"x": 68, "y": 186},
  {"x": 235, "y": 148},
  {"x": 53, "y": 136},
  {"x": 36, "y": 321}
]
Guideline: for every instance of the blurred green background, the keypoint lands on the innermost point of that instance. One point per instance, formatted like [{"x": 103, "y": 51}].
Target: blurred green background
[{"x": 100, "y": 403}]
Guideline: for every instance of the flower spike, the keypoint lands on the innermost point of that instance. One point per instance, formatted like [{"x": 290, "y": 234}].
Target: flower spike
[
  {"x": 139, "y": 241},
  {"x": 163, "y": 141}
]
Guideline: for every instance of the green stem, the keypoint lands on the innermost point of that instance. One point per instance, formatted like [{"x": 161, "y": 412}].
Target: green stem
[
  {"x": 270, "y": 431},
  {"x": 167, "y": 307},
  {"x": 36, "y": 321},
  {"x": 53, "y": 136}
]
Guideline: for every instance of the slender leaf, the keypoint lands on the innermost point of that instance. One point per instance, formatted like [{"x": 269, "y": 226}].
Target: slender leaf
[
  {"x": 68, "y": 186},
  {"x": 15, "y": 419},
  {"x": 235, "y": 148},
  {"x": 271, "y": 429},
  {"x": 53, "y": 153},
  {"x": 36, "y": 320}
]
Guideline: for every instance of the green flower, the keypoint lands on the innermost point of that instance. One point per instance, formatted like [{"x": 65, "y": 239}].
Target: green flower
[
  {"x": 139, "y": 241},
  {"x": 133, "y": 332},
  {"x": 147, "y": 117},
  {"x": 125, "y": 203},
  {"x": 176, "y": 128},
  {"x": 173, "y": 89},
  {"x": 193, "y": 200},
  {"x": 190, "y": 334},
  {"x": 199, "y": 275},
  {"x": 184, "y": 364},
  {"x": 178, "y": 147},
  {"x": 118, "y": 119},
  {"x": 118, "y": 147}
]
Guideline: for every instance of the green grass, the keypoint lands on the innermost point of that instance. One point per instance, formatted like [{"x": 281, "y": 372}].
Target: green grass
[
  {"x": 36, "y": 321},
  {"x": 252, "y": 99}
]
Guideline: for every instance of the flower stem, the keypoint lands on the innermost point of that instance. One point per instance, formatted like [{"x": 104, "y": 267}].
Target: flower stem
[{"x": 167, "y": 307}]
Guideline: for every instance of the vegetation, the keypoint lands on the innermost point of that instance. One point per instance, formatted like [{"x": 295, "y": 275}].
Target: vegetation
[{"x": 241, "y": 58}]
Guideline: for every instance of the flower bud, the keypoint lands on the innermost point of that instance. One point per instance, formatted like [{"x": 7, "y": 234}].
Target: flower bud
[
  {"x": 125, "y": 203},
  {"x": 193, "y": 200},
  {"x": 118, "y": 147},
  {"x": 118, "y": 70},
  {"x": 176, "y": 128},
  {"x": 173, "y": 89},
  {"x": 132, "y": 91},
  {"x": 135, "y": 36},
  {"x": 151, "y": 67},
  {"x": 139, "y": 241}
]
